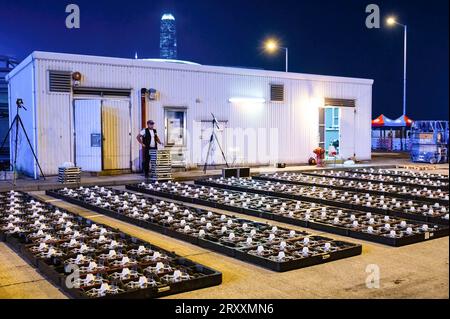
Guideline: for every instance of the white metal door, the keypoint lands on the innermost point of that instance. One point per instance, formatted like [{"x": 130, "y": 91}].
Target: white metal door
[
  {"x": 88, "y": 130},
  {"x": 347, "y": 132},
  {"x": 116, "y": 134},
  {"x": 322, "y": 129}
]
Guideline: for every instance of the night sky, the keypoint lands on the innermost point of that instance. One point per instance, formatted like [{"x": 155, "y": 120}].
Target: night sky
[{"x": 324, "y": 37}]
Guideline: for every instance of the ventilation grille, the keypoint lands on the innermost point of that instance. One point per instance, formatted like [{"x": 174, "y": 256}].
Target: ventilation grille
[
  {"x": 101, "y": 91},
  {"x": 60, "y": 81},
  {"x": 277, "y": 92},
  {"x": 339, "y": 102}
]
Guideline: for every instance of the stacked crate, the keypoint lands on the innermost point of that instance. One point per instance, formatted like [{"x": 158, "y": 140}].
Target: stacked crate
[
  {"x": 161, "y": 165},
  {"x": 69, "y": 175}
]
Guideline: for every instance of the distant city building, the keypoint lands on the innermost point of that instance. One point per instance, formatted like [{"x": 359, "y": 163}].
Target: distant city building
[
  {"x": 168, "y": 37},
  {"x": 6, "y": 65}
]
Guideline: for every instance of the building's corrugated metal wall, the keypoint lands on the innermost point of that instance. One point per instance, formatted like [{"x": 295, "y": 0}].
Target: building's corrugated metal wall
[
  {"x": 22, "y": 86},
  {"x": 202, "y": 93},
  {"x": 54, "y": 112}
]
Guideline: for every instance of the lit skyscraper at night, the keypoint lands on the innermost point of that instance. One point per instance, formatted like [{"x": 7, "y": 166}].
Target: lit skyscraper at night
[{"x": 168, "y": 37}]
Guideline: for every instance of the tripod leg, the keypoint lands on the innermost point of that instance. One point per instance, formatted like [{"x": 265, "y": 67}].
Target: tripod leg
[
  {"x": 207, "y": 153},
  {"x": 221, "y": 150},
  {"x": 17, "y": 139},
  {"x": 31, "y": 147},
  {"x": 15, "y": 148}
]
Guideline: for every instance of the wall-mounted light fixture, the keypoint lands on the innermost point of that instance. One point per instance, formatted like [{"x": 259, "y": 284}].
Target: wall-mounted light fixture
[
  {"x": 76, "y": 77},
  {"x": 152, "y": 94}
]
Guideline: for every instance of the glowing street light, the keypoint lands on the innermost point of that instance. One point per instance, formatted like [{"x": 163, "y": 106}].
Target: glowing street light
[
  {"x": 272, "y": 45},
  {"x": 392, "y": 21}
]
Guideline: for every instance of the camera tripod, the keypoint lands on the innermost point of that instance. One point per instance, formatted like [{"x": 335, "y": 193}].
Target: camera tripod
[
  {"x": 215, "y": 124},
  {"x": 15, "y": 123}
]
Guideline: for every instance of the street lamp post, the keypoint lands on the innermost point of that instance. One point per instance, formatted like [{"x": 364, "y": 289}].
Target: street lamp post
[
  {"x": 272, "y": 45},
  {"x": 404, "y": 68},
  {"x": 392, "y": 21},
  {"x": 287, "y": 59}
]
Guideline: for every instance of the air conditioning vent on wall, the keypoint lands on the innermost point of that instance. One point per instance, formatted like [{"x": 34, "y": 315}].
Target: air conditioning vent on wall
[
  {"x": 277, "y": 92},
  {"x": 60, "y": 81}
]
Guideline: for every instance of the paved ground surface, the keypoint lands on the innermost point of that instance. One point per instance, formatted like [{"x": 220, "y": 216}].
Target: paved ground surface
[{"x": 415, "y": 271}]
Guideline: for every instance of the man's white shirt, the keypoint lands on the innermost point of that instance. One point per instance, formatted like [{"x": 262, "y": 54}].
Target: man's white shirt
[{"x": 152, "y": 134}]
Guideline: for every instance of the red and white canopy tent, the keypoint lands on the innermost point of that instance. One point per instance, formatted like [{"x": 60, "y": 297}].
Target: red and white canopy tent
[
  {"x": 402, "y": 124},
  {"x": 403, "y": 121},
  {"x": 383, "y": 121}
]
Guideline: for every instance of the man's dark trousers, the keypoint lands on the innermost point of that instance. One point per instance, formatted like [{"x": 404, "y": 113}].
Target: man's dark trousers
[{"x": 146, "y": 159}]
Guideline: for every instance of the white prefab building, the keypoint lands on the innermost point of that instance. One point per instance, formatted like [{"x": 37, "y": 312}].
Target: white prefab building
[{"x": 88, "y": 110}]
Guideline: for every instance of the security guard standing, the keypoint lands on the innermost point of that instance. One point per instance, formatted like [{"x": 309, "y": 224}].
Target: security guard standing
[{"x": 149, "y": 140}]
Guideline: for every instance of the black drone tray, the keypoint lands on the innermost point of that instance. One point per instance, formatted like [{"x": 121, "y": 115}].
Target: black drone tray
[
  {"x": 352, "y": 250},
  {"x": 444, "y": 187},
  {"x": 396, "y": 242},
  {"x": 427, "y": 219},
  {"x": 354, "y": 189},
  {"x": 385, "y": 173},
  {"x": 209, "y": 276}
]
